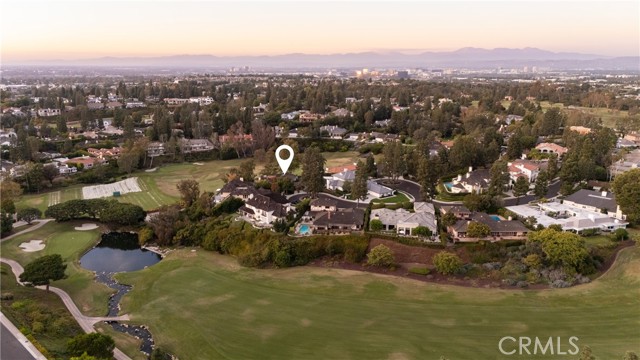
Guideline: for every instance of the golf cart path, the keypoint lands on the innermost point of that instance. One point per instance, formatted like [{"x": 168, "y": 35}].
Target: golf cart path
[{"x": 85, "y": 322}]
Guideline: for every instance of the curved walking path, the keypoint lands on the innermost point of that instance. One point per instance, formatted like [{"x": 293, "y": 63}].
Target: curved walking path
[
  {"x": 40, "y": 224},
  {"x": 85, "y": 322}
]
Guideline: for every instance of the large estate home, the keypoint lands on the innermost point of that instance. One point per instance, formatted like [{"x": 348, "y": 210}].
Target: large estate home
[
  {"x": 404, "y": 222},
  {"x": 326, "y": 217},
  {"x": 262, "y": 207},
  {"x": 473, "y": 181},
  {"x": 500, "y": 229}
]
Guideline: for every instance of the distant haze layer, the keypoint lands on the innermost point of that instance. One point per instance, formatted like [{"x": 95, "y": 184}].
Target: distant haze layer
[{"x": 49, "y": 30}]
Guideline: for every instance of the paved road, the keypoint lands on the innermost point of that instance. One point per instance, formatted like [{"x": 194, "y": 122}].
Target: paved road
[
  {"x": 407, "y": 186},
  {"x": 85, "y": 322},
  {"x": 12, "y": 348}
]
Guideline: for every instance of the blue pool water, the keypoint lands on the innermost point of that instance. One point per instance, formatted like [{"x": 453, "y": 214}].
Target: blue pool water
[
  {"x": 448, "y": 185},
  {"x": 495, "y": 217},
  {"x": 304, "y": 229}
]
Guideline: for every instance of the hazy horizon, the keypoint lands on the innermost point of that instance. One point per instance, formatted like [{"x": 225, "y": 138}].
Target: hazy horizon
[{"x": 73, "y": 30}]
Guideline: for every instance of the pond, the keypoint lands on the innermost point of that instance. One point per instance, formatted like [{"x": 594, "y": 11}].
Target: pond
[{"x": 118, "y": 252}]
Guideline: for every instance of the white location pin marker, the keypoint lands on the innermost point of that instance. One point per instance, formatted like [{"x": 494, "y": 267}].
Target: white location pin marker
[{"x": 284, "y": 163}]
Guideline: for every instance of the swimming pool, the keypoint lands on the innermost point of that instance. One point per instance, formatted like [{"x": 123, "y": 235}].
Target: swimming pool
[
  {"x": 304, "y": 229},
  {"x": 448, "y": 185},
  {"x": 495, "y": 217}
]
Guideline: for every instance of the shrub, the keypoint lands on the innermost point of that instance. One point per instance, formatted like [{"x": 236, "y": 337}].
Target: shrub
[
  {"x": 375, "y": 225},
  {"x": 381, "y": 255},
  {"x": 478, "y": 230},
  {"x": 419, "y": 270},
  {"x": 620, "y": 234},
  {"x": 447, "y": 263},
  {"x": 422, "y": 231}
]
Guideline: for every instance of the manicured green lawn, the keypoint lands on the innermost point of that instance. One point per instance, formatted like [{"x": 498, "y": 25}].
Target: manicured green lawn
[
  {"x": 398, "y": 198},
  {"x": 61, "y": 238},
  {"x": 201, "y": 305}
]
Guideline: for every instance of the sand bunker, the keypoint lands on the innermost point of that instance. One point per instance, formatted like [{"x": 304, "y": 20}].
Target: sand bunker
[
  {"x": 32, "y": 246},
  {"x": 198, "y": 163},
  {"x": 151, "y": 170},
  {"x": 99, "y": 191},
  {"x": 86, "y": 227}
]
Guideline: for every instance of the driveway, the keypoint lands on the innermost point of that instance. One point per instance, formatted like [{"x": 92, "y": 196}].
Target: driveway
[{"x": 407, "y": 186}]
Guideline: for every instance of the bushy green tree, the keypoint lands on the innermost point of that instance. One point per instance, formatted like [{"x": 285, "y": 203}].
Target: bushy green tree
[
  {"x": 478, "y": 230},
  {"x": 382, "y": 256},
  {"x": 43, "y": 270},
  {"x": 561, "y": 248},
  {"x": 422, "y": 231},
  {"x": 375, "y": 225},
  {"x": 29, "y": 214},
  {"x": 626, "y": 186},
  {"x": 621, "y": 234},
  {"x": 447, "y": 263}
]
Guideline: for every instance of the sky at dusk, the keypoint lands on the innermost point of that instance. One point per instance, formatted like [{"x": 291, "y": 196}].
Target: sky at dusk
[{"x": 46, "y": 30}]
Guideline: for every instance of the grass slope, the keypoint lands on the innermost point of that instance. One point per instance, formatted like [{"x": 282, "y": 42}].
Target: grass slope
[
  {"x": 48, "y": 302},
  {"x": 200, "y": 305},
  {"x": 61, "y": 238}
]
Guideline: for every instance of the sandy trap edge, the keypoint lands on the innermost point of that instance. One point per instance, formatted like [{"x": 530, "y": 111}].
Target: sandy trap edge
[
  {"x": 32, "y": 246},
  {"x": 86, "y": 227}
]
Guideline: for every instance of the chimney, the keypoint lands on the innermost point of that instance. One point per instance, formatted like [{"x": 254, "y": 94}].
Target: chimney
[
  {"x": 604, "y": 193},
  {"x": 459, "y": 177},
  {"x": 468, "y": 174},
  {"x": 470, "y": 168},
  {"x": 510, "y": 218},
  {"x": 329, "y": 215}
]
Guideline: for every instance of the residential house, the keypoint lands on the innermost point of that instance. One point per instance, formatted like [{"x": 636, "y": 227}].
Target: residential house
[
  {"x": 384, "y": 138},
  {"x": 353, "y": 137},
  {"x": 603, "y": 202},
  {"x": 246, "y": 138},
  {"x": 499, "y": 229},
  {"x": 335, "y": 132},
  {"x": 629, "y": 162},
  {"x": 132, "y": 104},
  {"x": 580, "y": 129},
  {"x": 324, "y": 204},
  {"x": 378, "y": 191},
  {"x": 114, "y": 105},
  {"x": 155, "y": 148},
  {"x": 306, "y": 116},
  {"x": 201, "y": 100},
  {"x": 84, "y": 162},
  {"x": 623, "y": 143},
  {"x": 459, "y": 211},
  {"x": 382, "y": 123},
  {"x": 290, "y": 116},
  {"x": 263, "y": 210},
  {"x": 568, "y": 216},
  {"x": 527, "y": 168},
  {"x": 512, "y": 118},
  {"x": 404, "y": 222},
  {"x": 95, "y": 106},
  {"x": 342, "y": 113},
  {"x": 175, "y": 101},
  {"x": 551, "y": 148},
  {"x": 48, "y": 112},
  {"x": 473, "y": 181},
  {"x": 339, "y": 169},
  {"x": 195, "y": 145},
  {"x": 105, "y": 153},
  {"x": 8, "y": 138}
]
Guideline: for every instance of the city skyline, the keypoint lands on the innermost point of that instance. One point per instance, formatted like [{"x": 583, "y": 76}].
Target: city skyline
[{"x": 60, "y": 30}]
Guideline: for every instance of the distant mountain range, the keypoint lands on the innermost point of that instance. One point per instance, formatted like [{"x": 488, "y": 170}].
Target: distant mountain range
[{"x": 472, "y": 58}]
